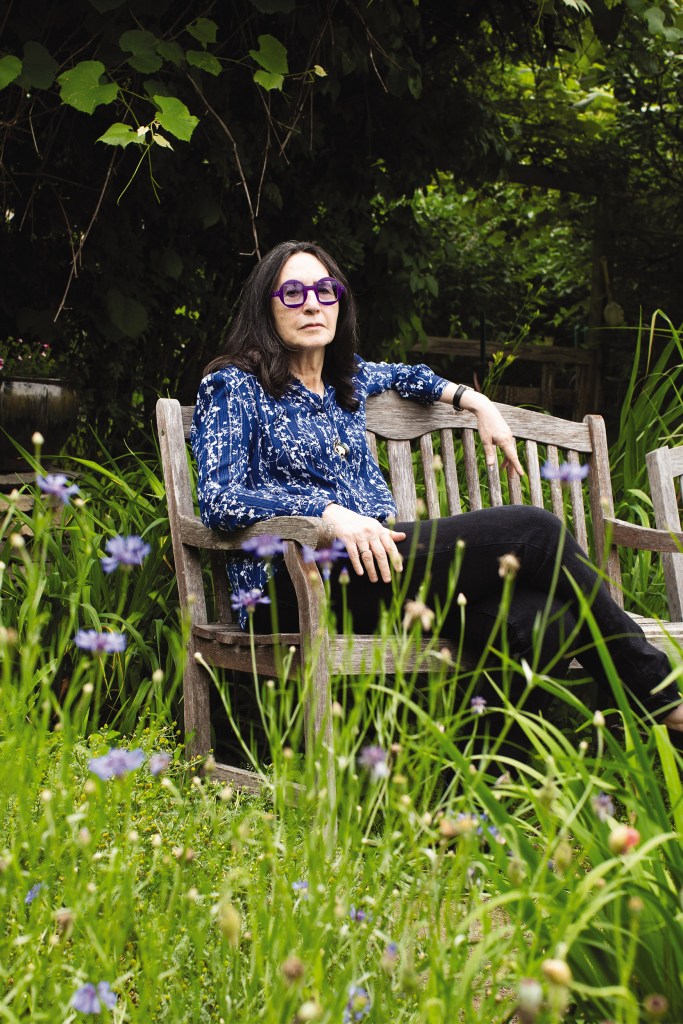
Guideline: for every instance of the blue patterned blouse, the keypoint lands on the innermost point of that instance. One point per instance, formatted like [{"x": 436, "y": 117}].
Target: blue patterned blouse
[{"x": 259, "y": 457}]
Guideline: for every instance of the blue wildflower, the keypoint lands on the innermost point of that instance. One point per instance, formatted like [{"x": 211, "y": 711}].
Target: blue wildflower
[
  {"x": 566, "y": 472},
  {"x": 159, "y": 762},
  {"x": 358, "y": 1005},
  {"x": 374, "y": 759},
  {"x": 100, "y": 643},
  {"x": 88, "y": 998},
  {"x": 248, "y": 599},
  {"x": 300, "y": 886},
  {"x": 358, "y": 914},
  {"x": 265, "y": 546},
  {"x": 325, "y": 557},
  {"x": 32, "y": 893},
  {"x": 124, "y": 551},
  {"x": 603, "y": 806},
  {"x": 58, "y": 486},
  {"x": 478, "y": 705},
  {"x": 115, "y": 763}
]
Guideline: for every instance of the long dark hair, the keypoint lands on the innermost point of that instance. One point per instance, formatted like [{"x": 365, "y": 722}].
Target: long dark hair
[{"x": 253, "y": 344}]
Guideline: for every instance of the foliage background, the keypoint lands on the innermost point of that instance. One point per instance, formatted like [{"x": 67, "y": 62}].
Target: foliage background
[{"x": 458, "y": 158}]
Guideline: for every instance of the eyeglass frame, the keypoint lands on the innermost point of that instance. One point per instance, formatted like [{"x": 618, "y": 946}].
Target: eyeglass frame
[{"x": 306, "y": 289}]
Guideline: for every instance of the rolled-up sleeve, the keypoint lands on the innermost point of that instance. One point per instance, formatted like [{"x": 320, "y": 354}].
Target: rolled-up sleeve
[
  {"x": 417, "y": 382},
  {"x": 233, "y": 488}
]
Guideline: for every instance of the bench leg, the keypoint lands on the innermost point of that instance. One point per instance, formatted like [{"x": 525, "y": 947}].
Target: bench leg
[{"x": 196, "y": 718}]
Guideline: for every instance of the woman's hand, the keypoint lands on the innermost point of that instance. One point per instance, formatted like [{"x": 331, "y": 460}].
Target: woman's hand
[
  {"x": 371, "y": 546},
  {"x": 495, "y": 433},
  {"x": 493, "y": 430}
]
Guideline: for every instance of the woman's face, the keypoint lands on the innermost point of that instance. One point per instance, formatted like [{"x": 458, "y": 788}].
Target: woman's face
[{"x": 313, "y": 325}]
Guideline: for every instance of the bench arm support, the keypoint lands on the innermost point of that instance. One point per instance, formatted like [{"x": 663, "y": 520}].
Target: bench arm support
[
  {"x": 643, "y": 538},
  {"x": 309, "y": 530}
]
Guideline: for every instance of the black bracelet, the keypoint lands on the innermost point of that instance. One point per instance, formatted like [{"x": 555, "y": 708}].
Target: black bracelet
[{"x": 459, "y": 392}]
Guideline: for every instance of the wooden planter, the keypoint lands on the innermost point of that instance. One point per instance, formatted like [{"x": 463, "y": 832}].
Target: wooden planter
[{"x": 30, "y": 404}]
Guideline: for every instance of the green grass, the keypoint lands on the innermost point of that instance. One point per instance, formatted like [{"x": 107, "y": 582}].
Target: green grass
[{"x": 482, "y": 863}]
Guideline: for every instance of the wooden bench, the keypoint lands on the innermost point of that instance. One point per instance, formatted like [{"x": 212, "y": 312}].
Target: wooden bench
[
  {"x": 408, "y": 436},
  {"x": 665, "y": 472}
]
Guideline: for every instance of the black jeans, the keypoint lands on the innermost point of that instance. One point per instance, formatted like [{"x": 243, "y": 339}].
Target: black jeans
[{"x": 538, "y": 539}]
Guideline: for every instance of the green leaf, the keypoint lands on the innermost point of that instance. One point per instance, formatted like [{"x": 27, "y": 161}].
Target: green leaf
[
  {"x": 171, "y": 264},
  {"x": 271, "y": 55},
  {"x": 274, "y": 6},
  {"x": 203, "y": 30},
  {"x": 38, "y": 67},
  {"x": 127, "y": 314},
  {"x": 81, "y": 87},
  {"x": 143, "y": 46},
  {"x": 175, "y": 117},
  {"x": 10, "y": 68},
  {"x": 161, "y": 140},
  {"x": 205, "y": 61},
  {"x": 120, "y": 135},
  {"x": 269, "y": 80},
  {"x": 170, "y": 51}
]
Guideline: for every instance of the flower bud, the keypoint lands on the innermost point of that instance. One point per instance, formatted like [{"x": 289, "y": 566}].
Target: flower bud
[
  {"x": 530, "y": 997},
  {"x": 655, "y": 1006},
  {"x": 622, "y": 838},
  {"x": 229, "y": 922},
  {"x": 37, "y": 439},
  {"x": 292, "y": 969},
  {"x": 557, "y": 971},
  {"x": 563, "y": 856},
  {"x": 310, "y": 1010}
]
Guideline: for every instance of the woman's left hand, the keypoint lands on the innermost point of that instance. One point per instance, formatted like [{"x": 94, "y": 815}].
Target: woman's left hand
[{"x": 493, "y": 431}]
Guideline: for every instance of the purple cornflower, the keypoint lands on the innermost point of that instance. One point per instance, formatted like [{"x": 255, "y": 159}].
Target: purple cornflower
[
  {"x": 57, "y": 485},
  {"x": 32, "y": 893},
  {"x": 248, "y": 599},
  {"x": 266, "y": 546},
  {"x": 603, "y": 806},
  {"x": 300, "y": 886},
  {"x": 374, "y": 759},
  {"x": 566, "y": 472},
  {"x": 100, "y": 643},
  {"x": 159, "y": 762},
  {"x": 87, "y": 999},
  {"x": 358, "y": 1005},
  {"x": 116, "y": 762},
  {"x": 478, "y": 705},
  {"x": 124, "y": 551},
  {"x": 478, "y": 823},
  {"x": 325, "y": 557}
]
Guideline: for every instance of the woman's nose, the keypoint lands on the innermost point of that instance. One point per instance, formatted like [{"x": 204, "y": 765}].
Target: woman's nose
[{"x": 311, "y": 300}]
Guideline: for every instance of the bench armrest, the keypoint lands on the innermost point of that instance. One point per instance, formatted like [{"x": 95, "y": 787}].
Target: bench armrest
[
  {"x": 309, "y": 530},
  {"x": 643, "y": 538}
]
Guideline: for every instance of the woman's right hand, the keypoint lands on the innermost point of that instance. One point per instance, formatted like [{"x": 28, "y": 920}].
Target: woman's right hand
[{"x": 370, "y": 545}]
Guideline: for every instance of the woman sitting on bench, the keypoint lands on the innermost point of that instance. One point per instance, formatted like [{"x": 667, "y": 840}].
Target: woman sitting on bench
[{"x": 279, "y": 429}]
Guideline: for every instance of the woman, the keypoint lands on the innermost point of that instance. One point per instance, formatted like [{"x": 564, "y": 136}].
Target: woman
[{"x": 279, "y": 429}]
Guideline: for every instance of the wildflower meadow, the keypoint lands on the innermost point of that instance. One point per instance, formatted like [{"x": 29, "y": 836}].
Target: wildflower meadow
[{"x": 510, "y": 854}]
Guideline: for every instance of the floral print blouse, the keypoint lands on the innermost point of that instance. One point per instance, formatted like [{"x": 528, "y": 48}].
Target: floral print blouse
[{"x": 259, "y": 457}]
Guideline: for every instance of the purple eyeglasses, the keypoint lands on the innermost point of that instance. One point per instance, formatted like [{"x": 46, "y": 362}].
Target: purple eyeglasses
[{"x": 327, "y": 291}]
